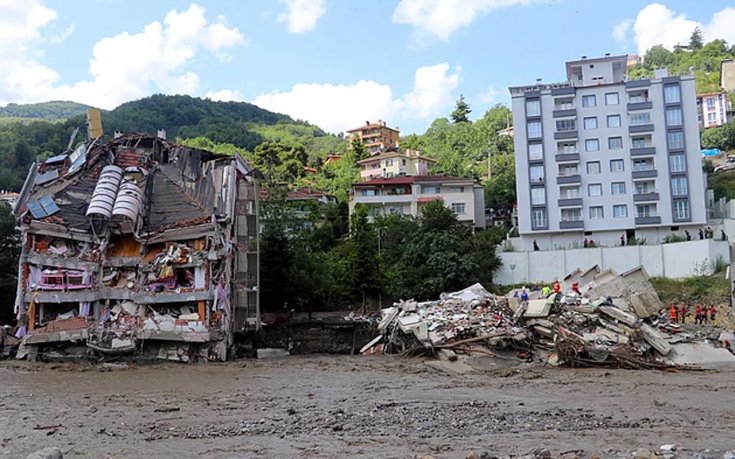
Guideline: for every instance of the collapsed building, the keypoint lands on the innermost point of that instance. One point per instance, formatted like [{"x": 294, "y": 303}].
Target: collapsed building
[{"x": 137, "y": 246}]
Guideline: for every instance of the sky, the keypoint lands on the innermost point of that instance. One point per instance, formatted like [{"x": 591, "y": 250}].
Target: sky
[{"x": 334, "y": 63}]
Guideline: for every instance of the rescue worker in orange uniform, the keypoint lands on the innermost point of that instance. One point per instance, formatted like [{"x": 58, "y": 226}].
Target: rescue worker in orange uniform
[{"x": 673, "y": 314}]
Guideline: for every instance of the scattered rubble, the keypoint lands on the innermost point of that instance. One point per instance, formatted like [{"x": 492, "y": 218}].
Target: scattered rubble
[{"x": 613, "y": 320}]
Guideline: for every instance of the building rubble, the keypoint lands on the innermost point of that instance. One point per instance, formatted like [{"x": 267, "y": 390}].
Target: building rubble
[
  {"x": 136, "y": 246},
  {"x": 611, "y": 320}
]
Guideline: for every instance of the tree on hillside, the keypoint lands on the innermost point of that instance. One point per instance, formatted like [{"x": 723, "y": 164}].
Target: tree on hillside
[
  {"x": 364, "y": 247},
  {"x": 358, "y": 149},
  {"x": 658, "y": 56},
  {"x": 695, "y": 41},
  {"x": 500, "y": 190},
  {"x": 9, "y": 251},
  {"x": 280, "y": 163},
  {"x": 461, "y": 111}
]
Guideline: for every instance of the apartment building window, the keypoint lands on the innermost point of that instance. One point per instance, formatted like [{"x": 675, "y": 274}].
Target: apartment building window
[
  {"x": 368, "y": 193},
  {"x": 639, "y": 142},
  {"x": 617, "y": 188},
  {"x": 676, "y": 140},
  {"x": 711, "y": 103},
  {"x": 458, "y": 208},
  {"x": 534, "y": 129},
  {"x": 571, "y": 215},
  {"x": 403, "y": 162},
  {"x": 594, "y": 189},
  {"x": 592, "y": 145},
  {"x": 535, "y": 151},
  {"x": 456, "y": 189},
  {"x": 430, "y": 189},
  {"x": 617, "y": 165},
  {"x": 564, "y": 104},
  {"x": 590, "y": 123},
  {"x": 538, "y": 196},
  {"x": 638, "y": 97},
  {"x": 645, "y": 210},
  {"x": 567, "y": 147},
  {"x": 539, "y": 218},
  {"x": 620, "y": 211},
  {"x": 374, "y": 211},
  {"x": 566, "y": 125},
  {"x": 566, "y": 170},
  {"x": 593, "y": 167},
  {"x": 672, "y": 95},
  {"x": 533, "y": 107},
  {"x": 612, "y": 98},
  {"x": 673, "y": 117},
  {"x": 711, "y": 118},
  {"x": 677, "y": 163},
  {"x": 615, "y": 143},
  {"x": 681, "y": 209},
  {"x": 645, "y": 187},
  {"x": 637, "y": 119},
  {"x": 589, "y": 101},
  {"x": 395, "y": 210},
  {"x": 596, "y": 213},
  {"x": 388, "y": 162},
  {"x": 537, "y": 174},
  {"x": 640, "y": 165},
  {"x": 569, "y": 192},
  {"x": 613, "y": 121},
  {"x": 679, "y": 186}
]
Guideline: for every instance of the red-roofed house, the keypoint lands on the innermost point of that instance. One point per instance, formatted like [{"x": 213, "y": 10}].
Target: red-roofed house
[{"x": 407, "y": 195}]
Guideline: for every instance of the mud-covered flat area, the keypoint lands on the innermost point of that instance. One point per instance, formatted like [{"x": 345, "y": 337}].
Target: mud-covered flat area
[{"x": 371, "y": 407}]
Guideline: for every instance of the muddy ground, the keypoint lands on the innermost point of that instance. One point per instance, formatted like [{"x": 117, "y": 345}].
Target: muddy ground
[{"x": 342, "y": 406}]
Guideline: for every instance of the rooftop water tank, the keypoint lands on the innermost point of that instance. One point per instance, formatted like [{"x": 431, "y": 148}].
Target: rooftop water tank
[{"x": 103, "y": 197}]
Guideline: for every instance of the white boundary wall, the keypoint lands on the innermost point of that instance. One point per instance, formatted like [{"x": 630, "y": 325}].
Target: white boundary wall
[{"x": 675, "y": 260}]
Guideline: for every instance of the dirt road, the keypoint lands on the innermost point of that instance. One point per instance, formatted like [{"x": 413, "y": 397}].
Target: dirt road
[{"x": 340, "y": 406}]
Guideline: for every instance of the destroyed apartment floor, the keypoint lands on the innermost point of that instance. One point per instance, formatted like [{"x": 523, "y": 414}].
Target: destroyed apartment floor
[{"x": 357, "y": 406}]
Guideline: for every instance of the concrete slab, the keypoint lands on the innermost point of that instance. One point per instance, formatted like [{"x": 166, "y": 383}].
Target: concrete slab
[{"x": 701, "y": 355}]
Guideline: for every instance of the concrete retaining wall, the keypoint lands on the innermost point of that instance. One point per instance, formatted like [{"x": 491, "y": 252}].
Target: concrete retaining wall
[{"x": 676, "y": 260}]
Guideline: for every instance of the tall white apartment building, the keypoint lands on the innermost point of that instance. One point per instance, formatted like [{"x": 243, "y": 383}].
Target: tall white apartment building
[{"x": 600, "y": 156}]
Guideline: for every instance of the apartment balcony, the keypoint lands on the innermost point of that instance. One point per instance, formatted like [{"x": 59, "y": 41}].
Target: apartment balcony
[
  {"x": 645, "y": 173},
  {"x": 568, "y": 179},
  {"x": 632, "y": 106},
  {"x": 643, "y": 151},
  {"x": 649, "y": 220},
  {"x": 564, "y": 112},
  {"x": 645, "y": 197},
  {"x": 567, "y": 157},
  {"x": 538, "y": 182},
  {"x": 563, "y": 135},
  {"x": 570, "y": 202},
  {"x": 637, "y": 128},
  {"x": 387, "y": 199},
  {"x": 571, "y": 224}
]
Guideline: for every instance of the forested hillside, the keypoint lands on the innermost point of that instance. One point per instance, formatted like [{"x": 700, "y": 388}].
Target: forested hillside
[
  {"x": 236, "y": 125},
  {"x": 47, "y": 111},
  {"x": 704, "y": 59}
]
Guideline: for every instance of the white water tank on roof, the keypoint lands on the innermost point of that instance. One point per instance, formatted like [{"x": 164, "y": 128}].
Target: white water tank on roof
[
  {"x": 128, "y": 201},
  {"x": 103, "y": 197}
]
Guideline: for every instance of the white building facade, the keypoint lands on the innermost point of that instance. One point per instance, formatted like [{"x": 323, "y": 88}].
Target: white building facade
[
  {"x": 713, "y": 109},
  {"x": 602, "y": 158},
  {"x": 408, "y": 195}
]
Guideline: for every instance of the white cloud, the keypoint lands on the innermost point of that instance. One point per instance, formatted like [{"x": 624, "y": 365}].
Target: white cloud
[
  {"x": 490, "y": 96},
  {"x": 441, "y": 18},
  {"x": 620, "y": 31},
  {"x": 224, "y": 95},
  {"x": 125, "y": 66},
  {"x": 337, "y": 108},
  {"x": 656, "y": 24},
  {"x": 301, "y": 16}
]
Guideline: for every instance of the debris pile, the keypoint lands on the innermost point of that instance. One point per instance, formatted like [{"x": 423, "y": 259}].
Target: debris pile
[{"x": 612, "y": 320}]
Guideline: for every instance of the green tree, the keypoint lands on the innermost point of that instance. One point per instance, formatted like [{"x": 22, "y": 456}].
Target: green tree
[
  {"x": 695, "y": 41},
  {"x": 500, "y": 189},
  {"x": 364, "y": 247},
  {"x": 714, "y": 137},
  {"x": 358, "y": 149},
  {"x": 9, "y": 252},
  {"x": 461, "y": 111},
  {"x": 276, "y": 253},
  {"x": 658, "y": 56}
]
